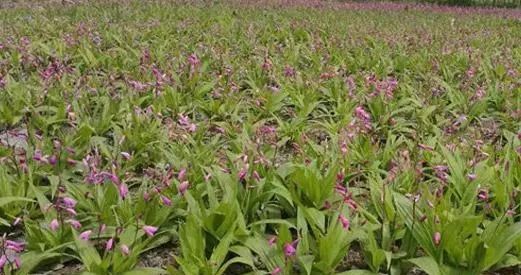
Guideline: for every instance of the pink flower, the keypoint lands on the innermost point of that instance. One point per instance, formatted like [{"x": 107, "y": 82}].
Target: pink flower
[
  {"x": 54, "y": 225},
  {"x": 53, "y": 160},
  {"x": 124, "y": 249},
  {"x": 345, "y": 221},
  {"x": 15, "y": 246},
  {"x": 192, "y": 127},
  {"x": 327, "y": 205},
  {"x": 109, "y": 244},
  {"x": 150, "y": 230},
  {"x": 266, "y": 66},
  {"x": 351, "y": 85},
  {"x": 2, "y": 81},
  {"x": 182, "y": 174},
  {"x": 137, "y": 85},
  {"x": 74, "y": 223},
  {"x": 123, "y": 190},
  {"x": 69, "y": 202},
  {"x": 114, "y": 178},
  {"x": 483, "y": 195},
  {"x": 362, "y": 114},
  {"x": 71, "y": 211},
  {"x": 85, "y": 235},
  {"x": 290, "y": 249},
  {"x": 289, "y": 71},
  {"x": 243, "y": 172},
  {"x": 38, "y": 155},
  {"x": 471, "y": 176},
  {"x": 183, "y": 186},
  {"x": 425, "y": 147},
  {"x": 255, "y": 175},
  {"x": 272, "y": 240},
  {"x": 193, "y": 60},
  {"x": 102, "y": 228},
  {"x": 17, "y": 263},
  {"x": 343, "y": 147},
  {"x": 276, "y": 271},
  {"x": 146, "y": 196},
  {"x": 3, "y": 260},
  {"x": 437, "y": 238},
  {"x": 125, "y": 155},
  {"x": 166, "y": 201},
  {"x": 17, "y": 221},
  {"x": 340, "y": 189}
]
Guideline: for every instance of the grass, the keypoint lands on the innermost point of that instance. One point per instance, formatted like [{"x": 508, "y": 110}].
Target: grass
[{"x": 261, "y": 139}]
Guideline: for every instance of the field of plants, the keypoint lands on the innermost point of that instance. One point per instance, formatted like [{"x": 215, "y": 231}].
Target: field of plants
[{"x": 248, "y": 138}]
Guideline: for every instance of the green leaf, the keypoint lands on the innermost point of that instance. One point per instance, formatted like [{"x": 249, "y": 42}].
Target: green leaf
[
  {"x": 357, "y": 272},
  {"x": 427, "y": 264},
  {"x": 145, "y": 270},
  {"x": 31, "y": 260},
  {"x": 88, "y": 254},
  {"x": 220, "y": 252},
  {"x": 273, "y": 221},
  {"x": 6, "y": 200},
  {"x": 306, "y": 261},
  {"x": 500, "y": 243}
]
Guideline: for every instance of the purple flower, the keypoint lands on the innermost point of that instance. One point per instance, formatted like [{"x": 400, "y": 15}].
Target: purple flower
[
  {"x": 102, "y": 228},
  {"x": 242, "y": 173},
  {"x": 2, "y": 82},
  {"x": 351, "y": 86},
  {"x": 290, "y": 249},
  {"x": 483, "y": 195},
  {"x": 3, "y": 260},
  {"x": 266, "y": 66},
  {"x": 289, "y": 71},
  {"x": 123, "y": 190},
  {"x": 146, "y": 196},
  {"x": 166, "y": 201},
  {"x": 182, "y": 174},
  {"x": 74, "y": 223},
  {"x": 125, "y": 155},
  {"x": 53, "y": 160},
  {"x": 15, "y": 246},
  {"x": 54, "y": 225},
  {"x": 114, "y": 178},
  {"x": 38, "y": 156},
  {"x": 436, "y": 238},
  {"x": 69, "y": 202},
  {"x": 150, "y": 230},
  {"x": 17, "y": 263},
  {"x": 136, "y": 85},
  {"x": 183, "y": 186},
  {"x": 183, "y": 120},
  {"x": 109, "y": 244},
  {"x": 362, "y": 114},
  {"x": 57, "y": 144},
  {"x": 345, "y": 221},
  {"x": 71, "y": 211},
  {"x": 276, "y": 271},
  {"x": 124, "y": 249},
  {"x": 272, "y": 240},
  {"x": 85, "y": 235},
  {"x": 193, "y": 60}
]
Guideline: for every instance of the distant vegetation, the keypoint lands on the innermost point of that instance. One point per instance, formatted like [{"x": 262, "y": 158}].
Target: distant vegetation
[{"x": 309, "y": 137}]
